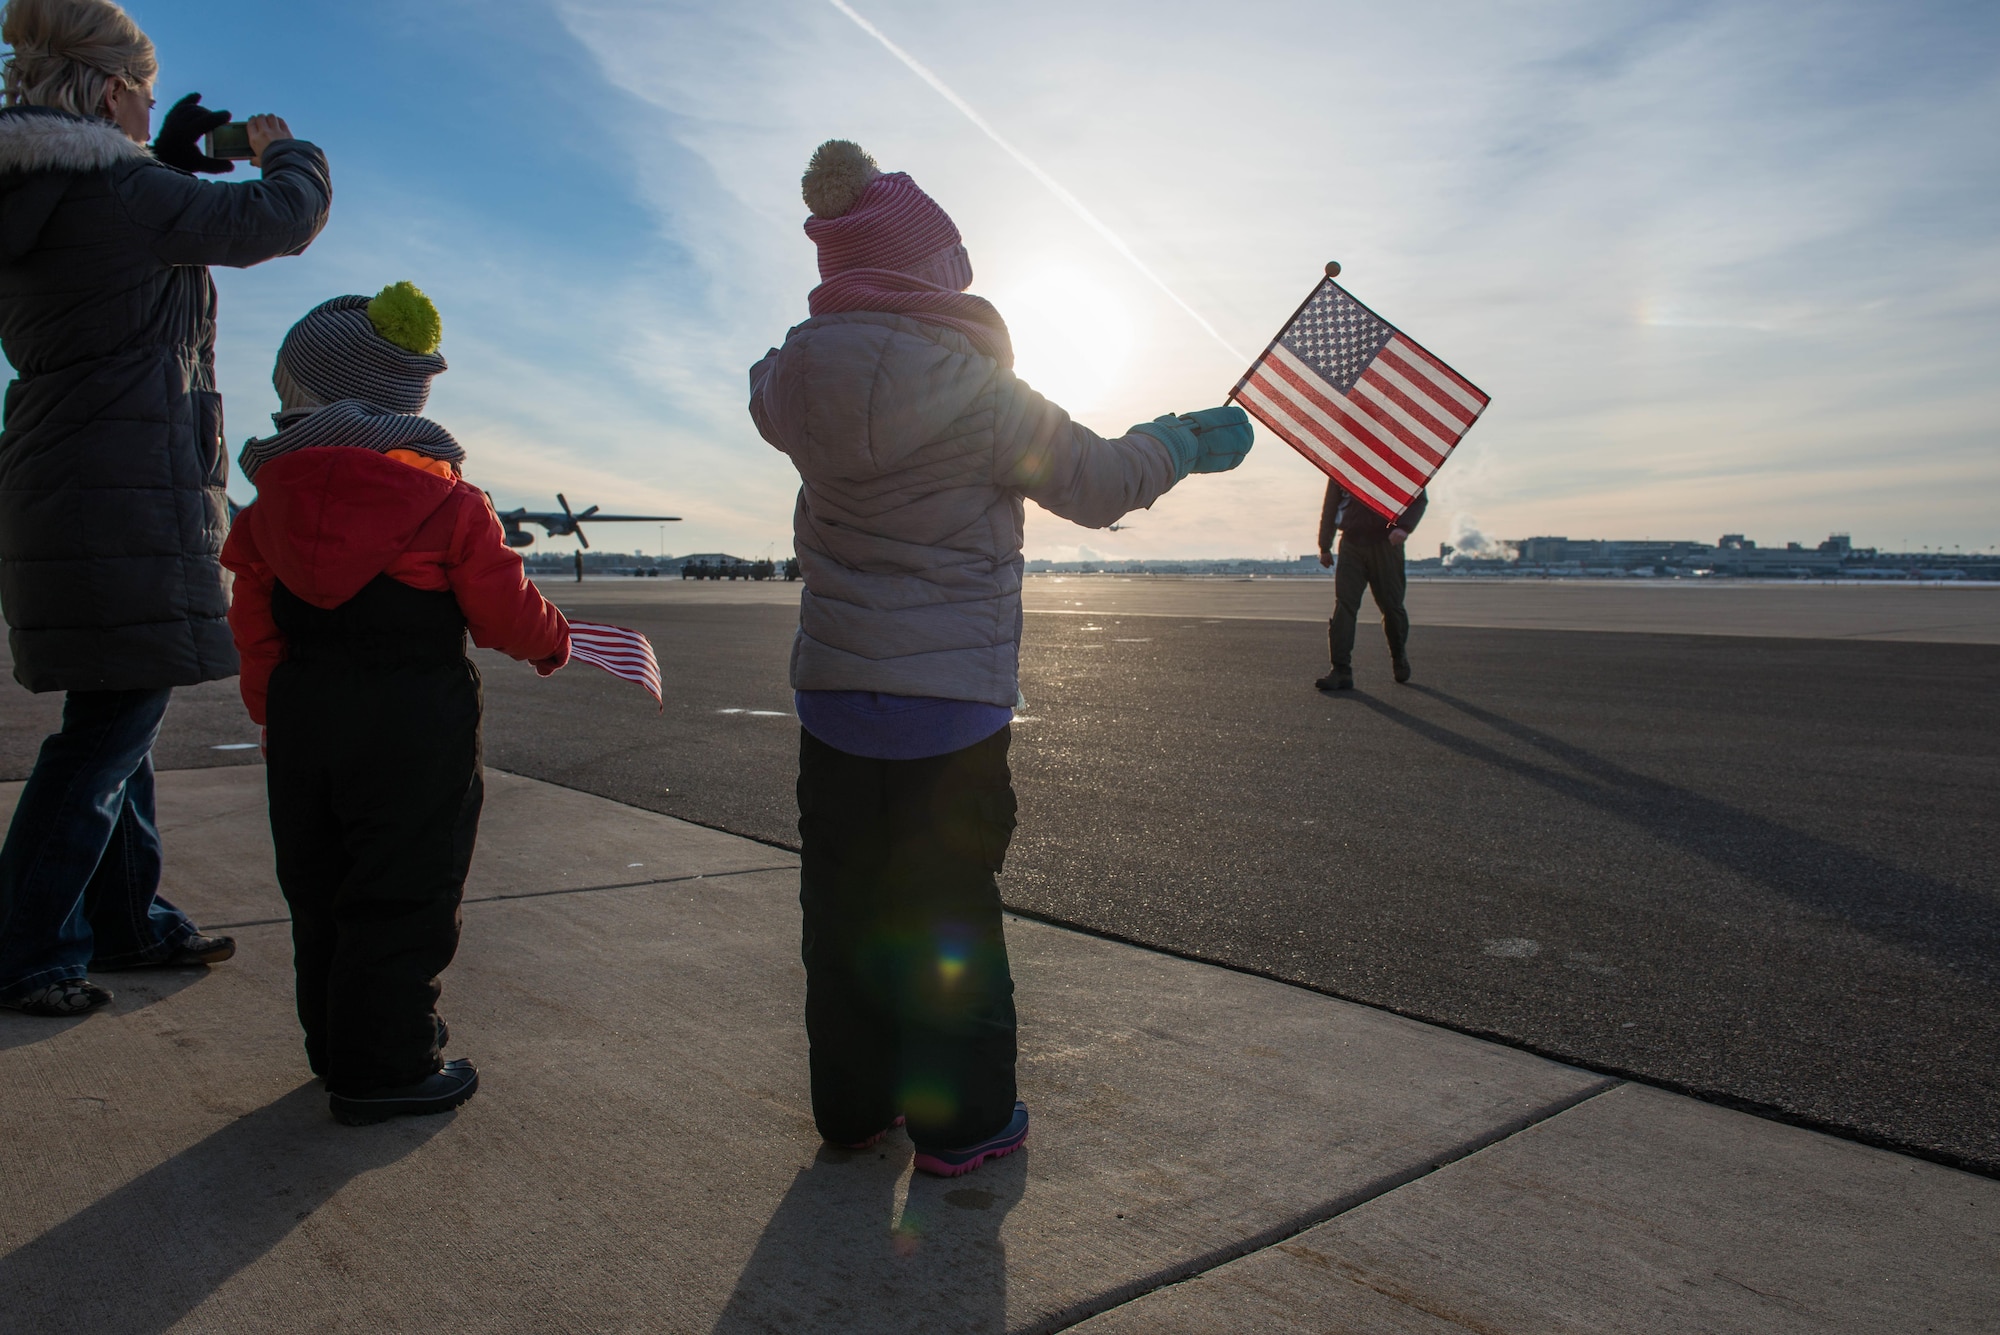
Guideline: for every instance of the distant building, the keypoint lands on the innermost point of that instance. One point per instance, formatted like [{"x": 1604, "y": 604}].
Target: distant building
[{"x": 1734, "y": 554}]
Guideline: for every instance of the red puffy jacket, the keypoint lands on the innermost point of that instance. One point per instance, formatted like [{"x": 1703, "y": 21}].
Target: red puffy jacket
[{"x": 328, "y": 520}]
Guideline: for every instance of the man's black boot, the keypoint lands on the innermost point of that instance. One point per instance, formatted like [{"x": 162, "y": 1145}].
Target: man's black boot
[
  {"x": 1341, "y": 678},
  {"x": 456, "y": 1083},
  {"x": 1402, "y": 667}
]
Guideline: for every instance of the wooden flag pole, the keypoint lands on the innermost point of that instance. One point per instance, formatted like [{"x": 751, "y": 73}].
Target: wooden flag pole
[{"x": 1332, "y": 271}]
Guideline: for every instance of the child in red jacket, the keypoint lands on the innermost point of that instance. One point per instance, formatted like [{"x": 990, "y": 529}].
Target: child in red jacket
[{"x": 360, "y": 568}]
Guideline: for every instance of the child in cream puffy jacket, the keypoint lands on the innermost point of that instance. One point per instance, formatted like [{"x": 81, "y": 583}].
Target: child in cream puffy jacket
[{"x": 917, "y": 447}]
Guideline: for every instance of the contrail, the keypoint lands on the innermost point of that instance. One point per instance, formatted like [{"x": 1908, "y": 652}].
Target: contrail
[{"x": 1055, "y": 187}]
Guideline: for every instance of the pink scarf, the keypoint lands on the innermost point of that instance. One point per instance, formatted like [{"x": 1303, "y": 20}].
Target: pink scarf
[{"x": 892, "y": 292}]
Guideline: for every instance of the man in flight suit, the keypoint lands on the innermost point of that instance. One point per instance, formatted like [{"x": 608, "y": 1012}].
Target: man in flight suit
[{"x": 1371, "y": 557}]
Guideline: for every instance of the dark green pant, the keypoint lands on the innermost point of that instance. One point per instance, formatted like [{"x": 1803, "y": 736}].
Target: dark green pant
[{"x": 1376, "y": 566}]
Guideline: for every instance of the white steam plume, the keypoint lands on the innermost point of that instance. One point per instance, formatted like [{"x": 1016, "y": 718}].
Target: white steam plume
[
  {"x": 1055, "y": 187},
  {"x": 1468, "y": 542}
]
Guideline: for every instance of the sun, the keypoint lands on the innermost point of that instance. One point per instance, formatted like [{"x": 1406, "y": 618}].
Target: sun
[{"x": 1072, "y": 337}]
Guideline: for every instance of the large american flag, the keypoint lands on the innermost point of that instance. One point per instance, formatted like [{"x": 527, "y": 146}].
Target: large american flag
[
  {"x": 1359, "y": 398},
  {"x": 621, "y": 652}
]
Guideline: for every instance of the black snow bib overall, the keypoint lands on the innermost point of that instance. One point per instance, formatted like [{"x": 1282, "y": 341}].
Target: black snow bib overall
[{"x": 375, "y": 791}]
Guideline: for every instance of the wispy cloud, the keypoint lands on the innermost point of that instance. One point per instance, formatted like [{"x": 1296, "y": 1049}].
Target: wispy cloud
[{"x": 1034, "y": 169}]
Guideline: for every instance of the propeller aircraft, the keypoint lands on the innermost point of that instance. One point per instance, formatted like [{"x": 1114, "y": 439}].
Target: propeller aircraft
[{"x": 569, "y": 523}]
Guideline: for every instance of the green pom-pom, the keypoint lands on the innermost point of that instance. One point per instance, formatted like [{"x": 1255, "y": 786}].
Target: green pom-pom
[{"x": 402, "y": 314}]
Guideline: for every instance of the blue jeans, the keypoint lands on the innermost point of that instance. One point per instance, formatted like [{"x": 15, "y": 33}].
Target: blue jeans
[{"x": 80, "y": 872}]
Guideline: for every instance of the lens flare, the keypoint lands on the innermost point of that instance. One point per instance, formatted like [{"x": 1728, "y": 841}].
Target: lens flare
[{"x": 927, "y": 1101}]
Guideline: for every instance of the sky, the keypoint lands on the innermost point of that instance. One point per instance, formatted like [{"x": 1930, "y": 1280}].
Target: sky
[{"x": 1721, "y": 267}]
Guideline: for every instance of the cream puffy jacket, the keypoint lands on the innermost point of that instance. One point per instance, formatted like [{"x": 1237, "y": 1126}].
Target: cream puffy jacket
[{"x": 916, "y": 453}]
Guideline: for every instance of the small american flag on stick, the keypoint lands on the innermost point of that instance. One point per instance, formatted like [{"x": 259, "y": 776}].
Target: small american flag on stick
[
  {"x": 621, "y": 652},
  {"x": 1360, "y": 399}
]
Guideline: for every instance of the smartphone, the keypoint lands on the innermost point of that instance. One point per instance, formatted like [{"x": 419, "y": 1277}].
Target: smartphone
[{"x": 231, "y": 141}]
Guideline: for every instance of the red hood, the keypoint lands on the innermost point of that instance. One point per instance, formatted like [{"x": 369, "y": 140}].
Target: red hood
[{"x": 331, "y": 518}]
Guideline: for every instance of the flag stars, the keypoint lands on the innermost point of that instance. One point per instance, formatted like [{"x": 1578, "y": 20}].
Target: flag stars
[{"x": 1336, "y": 336}]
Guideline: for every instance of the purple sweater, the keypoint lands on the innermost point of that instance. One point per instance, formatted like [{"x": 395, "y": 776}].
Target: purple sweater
[{"x": 897, "y": 727}]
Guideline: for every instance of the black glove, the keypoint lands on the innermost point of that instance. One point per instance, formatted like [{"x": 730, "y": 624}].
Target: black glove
[{"x": 178, "y": 144}]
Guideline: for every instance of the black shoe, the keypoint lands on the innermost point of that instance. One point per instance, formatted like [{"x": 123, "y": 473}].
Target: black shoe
[
  {"x": 199, "y": 949},
  {"x": 66, "y": 996},
  {"x": 1402, "y": 666},
  {"x": 456, "y": 1083},
  {"x": 1340, "y": 679},
  {"x": 194, "y": 950}
]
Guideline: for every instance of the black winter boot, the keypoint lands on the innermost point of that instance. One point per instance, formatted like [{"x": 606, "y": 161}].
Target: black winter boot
[
  {"x": 439, "y": 1093},
  {"x": 1341, "y": 678}
]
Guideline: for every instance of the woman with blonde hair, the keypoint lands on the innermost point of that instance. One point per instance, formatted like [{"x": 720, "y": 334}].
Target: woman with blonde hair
[{"x": 112, "y": 471}]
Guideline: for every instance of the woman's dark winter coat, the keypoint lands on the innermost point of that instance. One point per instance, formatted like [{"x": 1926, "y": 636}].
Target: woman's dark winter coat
[{"x": 112, "y": 470}]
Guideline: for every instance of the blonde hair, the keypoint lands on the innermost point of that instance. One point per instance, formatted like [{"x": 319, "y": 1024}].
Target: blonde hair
[{"x": 66, "y": 51}]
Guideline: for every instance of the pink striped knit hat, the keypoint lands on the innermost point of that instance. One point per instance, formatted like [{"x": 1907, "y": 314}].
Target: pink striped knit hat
[{"x": 863, "y": 219}]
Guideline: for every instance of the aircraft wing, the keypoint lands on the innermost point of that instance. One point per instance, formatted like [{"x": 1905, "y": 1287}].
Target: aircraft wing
[{"x": 546, "y": 518}]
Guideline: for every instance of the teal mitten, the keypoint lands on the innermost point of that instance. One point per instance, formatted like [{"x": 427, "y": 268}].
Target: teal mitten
[{"x": 1213, "y": 440}]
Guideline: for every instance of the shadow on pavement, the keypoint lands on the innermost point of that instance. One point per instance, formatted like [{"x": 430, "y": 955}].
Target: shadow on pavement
[
  {"x": 839, "y": 1256},
  {"x": 141, "y": 1259},
  {"x": 1949, "y": 924},
  {"x": 133, "y": 990}
]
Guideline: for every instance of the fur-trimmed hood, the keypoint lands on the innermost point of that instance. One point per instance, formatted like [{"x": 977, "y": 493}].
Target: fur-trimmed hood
[
  {"x": 41, "y": 139},
  {"x": 41, "y": 151}
]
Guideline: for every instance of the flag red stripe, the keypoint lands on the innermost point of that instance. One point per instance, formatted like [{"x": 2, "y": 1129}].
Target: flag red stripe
[
  {"x": 1468, "y": 396},
  {"x": 628, "y": 670},
  {"x": 1413, "y": 462},
  {"x": 1316, "y": 393},
  {"x": 1424, "y": 438},
  {"x": 1363, "y": 464},
  {"x": 625, "y": 654},
  {"x": 625, "y": 651},
  {"x": 620, "y": 664},
  {"x": 1272, "y": 415},
  {"x": 1415, "y": 378},
  {"x": 1389, "y": 490},
  {"x": 1444, "y": 430},
  {"x": 627, "y": 661}
]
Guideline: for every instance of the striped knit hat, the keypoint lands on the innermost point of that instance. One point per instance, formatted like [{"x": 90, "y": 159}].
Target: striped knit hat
[
  {"x": 356, "y": 371},
  {"x": 863, "y": 219},
  {"x": 381, "y": 350}
]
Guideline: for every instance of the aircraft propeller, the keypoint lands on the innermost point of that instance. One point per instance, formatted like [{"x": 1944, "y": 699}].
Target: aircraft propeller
[{"x": 575, "y": 523}]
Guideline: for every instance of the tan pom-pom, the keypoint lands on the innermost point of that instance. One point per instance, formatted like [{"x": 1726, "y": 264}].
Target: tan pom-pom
[{"x": 839, "y": 171}]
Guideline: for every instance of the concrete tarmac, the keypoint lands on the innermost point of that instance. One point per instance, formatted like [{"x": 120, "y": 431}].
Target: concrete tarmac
[
  {"x": 1759, "y": 869},
  {"x": 1211, "y": 1151},
  {"x": 1928, "y": 613}
]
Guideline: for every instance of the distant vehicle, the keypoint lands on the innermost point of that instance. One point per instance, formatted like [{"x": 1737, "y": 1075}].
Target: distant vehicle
[
  {"x": 727, "y": 567},
  {"x": 567, "y": 524}
]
